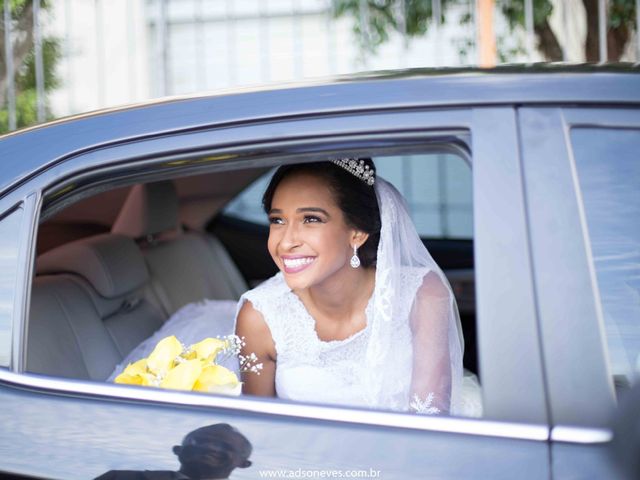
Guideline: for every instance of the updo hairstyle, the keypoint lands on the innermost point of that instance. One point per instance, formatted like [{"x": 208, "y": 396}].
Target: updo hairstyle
[{"x": 354, "y": 197}]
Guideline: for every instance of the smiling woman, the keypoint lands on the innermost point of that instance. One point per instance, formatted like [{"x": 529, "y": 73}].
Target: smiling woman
[
  {"x": 321, "y": 218},
  {"x": 331, "y": 321}
]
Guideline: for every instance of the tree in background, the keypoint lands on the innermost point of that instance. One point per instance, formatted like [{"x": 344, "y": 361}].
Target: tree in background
[
  {"x": 383, "y": 17},
  {"x": 25, "y": 65}
]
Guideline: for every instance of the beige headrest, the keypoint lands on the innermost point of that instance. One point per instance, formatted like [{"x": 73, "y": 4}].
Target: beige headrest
[{"x": 149, "y": 209}]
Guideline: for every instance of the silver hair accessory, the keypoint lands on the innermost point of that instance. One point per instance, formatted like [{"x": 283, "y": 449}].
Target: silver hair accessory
[{"x": 358, "y": 168}]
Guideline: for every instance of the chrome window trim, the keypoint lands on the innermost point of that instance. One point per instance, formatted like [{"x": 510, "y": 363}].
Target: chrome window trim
[
  {"x": 568, "y": 434},
  {"x": 465, "y": 426}
]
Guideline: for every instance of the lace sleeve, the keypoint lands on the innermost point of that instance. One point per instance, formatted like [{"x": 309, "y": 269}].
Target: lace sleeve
[{"x": 437, "y": 352}]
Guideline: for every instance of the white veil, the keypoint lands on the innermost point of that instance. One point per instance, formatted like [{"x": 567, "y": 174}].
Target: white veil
[{"x": 414, "y": 307}]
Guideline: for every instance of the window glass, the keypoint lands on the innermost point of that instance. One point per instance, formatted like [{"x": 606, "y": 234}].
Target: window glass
[
  {"x": 437, "y": 188},
  {"x": 9, "y": 228},
  {"x": 608, "y": 169},
  {"x": 248, "y": 205}
]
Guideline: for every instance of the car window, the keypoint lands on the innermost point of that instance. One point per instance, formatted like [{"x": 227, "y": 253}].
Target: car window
[
  {"x": 609, "y": 176},
  {"x": 9, "y": 227},
  {"x": 124, "y": 329},
  {"x": 437, "y": 187}
]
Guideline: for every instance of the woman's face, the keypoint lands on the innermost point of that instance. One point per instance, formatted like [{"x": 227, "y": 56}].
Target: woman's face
[{"x": 308, "y": 238}]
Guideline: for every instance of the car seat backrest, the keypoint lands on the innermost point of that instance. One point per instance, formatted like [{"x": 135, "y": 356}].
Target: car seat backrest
[
  {"x": 184, "y": 266},
  {"x": 110, "y": 272},
  {"x": 66, "y": 336}
]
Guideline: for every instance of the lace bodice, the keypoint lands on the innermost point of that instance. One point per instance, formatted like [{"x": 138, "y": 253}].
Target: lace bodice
[{"x": 312, "y": 370}]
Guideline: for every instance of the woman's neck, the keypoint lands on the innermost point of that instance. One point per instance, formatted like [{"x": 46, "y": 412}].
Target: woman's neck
[{"x": 342, "y": 296}]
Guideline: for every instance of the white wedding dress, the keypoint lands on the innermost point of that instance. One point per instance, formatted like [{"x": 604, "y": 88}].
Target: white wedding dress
[{"x": 334, "y": 372}]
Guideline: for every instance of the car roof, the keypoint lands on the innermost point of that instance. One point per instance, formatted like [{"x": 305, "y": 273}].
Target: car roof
[{"x": 27, "y": 151}]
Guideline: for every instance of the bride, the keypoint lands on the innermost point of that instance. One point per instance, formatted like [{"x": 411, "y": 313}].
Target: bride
[{"x": 359, "y": 313}]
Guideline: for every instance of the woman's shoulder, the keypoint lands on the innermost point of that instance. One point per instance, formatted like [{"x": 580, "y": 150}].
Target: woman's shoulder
[
  {"x": 275, "y": 285},
  {"x": 267, "y": 293},
  {"x": 268, "y": 305}
]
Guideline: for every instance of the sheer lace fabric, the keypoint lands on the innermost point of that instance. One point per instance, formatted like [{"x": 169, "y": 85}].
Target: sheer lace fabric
[{"x": 426, "y": 308}]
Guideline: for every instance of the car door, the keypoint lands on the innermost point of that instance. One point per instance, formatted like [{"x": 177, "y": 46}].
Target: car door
[
  {"x": 581, "y": 179},
  {"x": 76, "y": 429}
]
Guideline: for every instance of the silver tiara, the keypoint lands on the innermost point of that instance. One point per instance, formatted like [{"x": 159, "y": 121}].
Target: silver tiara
[{"x": 358, "y": 168}]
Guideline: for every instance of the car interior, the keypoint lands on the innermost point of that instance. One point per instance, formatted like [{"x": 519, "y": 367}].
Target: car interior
[{"x": 114, "y": 265}]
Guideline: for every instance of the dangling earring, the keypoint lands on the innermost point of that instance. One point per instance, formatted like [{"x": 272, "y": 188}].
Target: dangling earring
[{"x": 355, "y": 260}]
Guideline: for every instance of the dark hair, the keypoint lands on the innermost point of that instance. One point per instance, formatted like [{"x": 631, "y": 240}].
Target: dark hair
[
  {"x": 354, "y": 197},
  {"x": 232, "y": 451}
]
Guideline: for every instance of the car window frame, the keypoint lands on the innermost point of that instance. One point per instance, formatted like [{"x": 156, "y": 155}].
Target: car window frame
[
  {"x": 385, "y": 127},
  {"x": 15, "y": 213},
  {"x": 583, "y": 365}
]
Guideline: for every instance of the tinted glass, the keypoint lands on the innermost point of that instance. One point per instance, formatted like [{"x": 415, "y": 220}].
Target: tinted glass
[
  {"x": 608, "y": 167},
  {"x": 437, "y": 188},
  {"x": 9, "y": 228}
]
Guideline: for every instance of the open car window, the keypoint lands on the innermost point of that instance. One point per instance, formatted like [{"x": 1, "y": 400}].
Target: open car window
[{"x": 85, "y": 328}]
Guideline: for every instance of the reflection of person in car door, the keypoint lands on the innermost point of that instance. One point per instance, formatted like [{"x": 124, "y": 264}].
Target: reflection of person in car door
[
  {"x": 213, "y": 452},
  {"x": 209, "y": 452},
  {"x": 360, "y": 313}
]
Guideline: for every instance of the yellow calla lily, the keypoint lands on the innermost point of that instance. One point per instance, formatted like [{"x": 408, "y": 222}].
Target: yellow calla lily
[
  {"x": 208, "y": 348},
  {"x": 183, "y": 375},
  {"x": 126, "y": 379},
  {"x": 134, "y": 374},
  {"x": 136, "y": 368},
  {"x": 144, "y": 379},
  {"x": 218, "y": 379},
  {"x": 163, "y": 356}
]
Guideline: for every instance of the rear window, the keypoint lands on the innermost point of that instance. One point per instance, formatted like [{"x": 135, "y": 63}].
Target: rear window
[
  {"x": 608, "y": 171},
  {"x": 437, "y": 187}
]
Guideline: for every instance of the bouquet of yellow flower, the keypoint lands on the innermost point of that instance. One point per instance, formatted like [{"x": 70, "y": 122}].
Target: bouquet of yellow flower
[{"x": 172, "y": 365}]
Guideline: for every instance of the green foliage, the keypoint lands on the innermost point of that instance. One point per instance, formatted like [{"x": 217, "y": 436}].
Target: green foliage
[
  {"x": 25, "y": 71},
  {"x": 383, "y": 18},
  {"x": 18, "y": 7},
  {"x": 514, "y": 12},
  {"x": 26, "y": 112},
  {"x": 26, "y": 76},
  {"x": 621, "y": 13}
]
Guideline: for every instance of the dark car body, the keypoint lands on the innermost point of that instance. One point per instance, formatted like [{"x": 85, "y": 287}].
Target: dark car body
[{"x": 547, "y": 388}]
